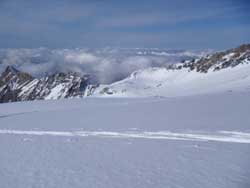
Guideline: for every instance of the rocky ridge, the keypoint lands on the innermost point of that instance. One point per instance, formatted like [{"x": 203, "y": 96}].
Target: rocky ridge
[{"x": 20, "y": 86}]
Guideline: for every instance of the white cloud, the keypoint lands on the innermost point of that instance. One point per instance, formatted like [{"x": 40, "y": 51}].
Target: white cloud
[{"x": 106, "y": 65}]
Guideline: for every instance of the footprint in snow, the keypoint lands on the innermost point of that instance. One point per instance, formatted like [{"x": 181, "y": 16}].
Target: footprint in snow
[{"x": 27, "y": 139}]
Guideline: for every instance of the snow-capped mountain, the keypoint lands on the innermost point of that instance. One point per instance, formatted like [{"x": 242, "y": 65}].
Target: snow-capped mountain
[
  {"x": 218, "y": 72},
  {"x": 222, "y": 71},
  {"x": 20, "y": 86}
]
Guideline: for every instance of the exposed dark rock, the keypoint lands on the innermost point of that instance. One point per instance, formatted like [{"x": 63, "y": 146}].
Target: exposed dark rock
[
  {"x": 218, "y": 60},
  {"x": 20, "y": 86}
]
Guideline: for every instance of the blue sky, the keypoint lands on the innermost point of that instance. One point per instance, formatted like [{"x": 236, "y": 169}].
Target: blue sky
[{"x": 179, "y": 24}]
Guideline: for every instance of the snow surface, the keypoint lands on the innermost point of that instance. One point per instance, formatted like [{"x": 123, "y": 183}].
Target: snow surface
[
  {"x": 57, "y": 92},
  {"x": 183, "y": 82},
  {"x": 196, "y": 141}
]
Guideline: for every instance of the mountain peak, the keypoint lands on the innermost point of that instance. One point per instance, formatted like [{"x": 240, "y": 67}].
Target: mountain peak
[
  {"x": 10, "y": 69},
  {"x": 11, "y": 74},
  {"x": 16, "y": 85}
]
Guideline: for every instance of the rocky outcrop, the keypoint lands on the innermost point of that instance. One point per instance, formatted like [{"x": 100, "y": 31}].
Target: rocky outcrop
[
  {"x": 218, "y": 60},
  {"x": 20, "y": 86}
]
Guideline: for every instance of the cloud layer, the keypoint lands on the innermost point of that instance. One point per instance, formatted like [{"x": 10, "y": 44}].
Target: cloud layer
[{"x": 103, "y": 65}]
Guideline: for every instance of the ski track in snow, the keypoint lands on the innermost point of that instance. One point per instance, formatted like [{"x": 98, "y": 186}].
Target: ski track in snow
[{"x": 220, "y": 136}]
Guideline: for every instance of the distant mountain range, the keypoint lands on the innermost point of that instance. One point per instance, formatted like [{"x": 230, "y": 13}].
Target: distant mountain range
[{"x": 216, "y": 72}]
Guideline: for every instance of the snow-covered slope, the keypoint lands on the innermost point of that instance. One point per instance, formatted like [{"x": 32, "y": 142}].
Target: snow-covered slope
[
  {"x": 197, "y": 141},
  {"x": 183, "y": 82},
  {"x": 220, "y": 72}
]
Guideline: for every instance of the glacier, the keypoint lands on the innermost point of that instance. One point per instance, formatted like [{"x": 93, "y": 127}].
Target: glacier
[{"x": 192, "y": 141}]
